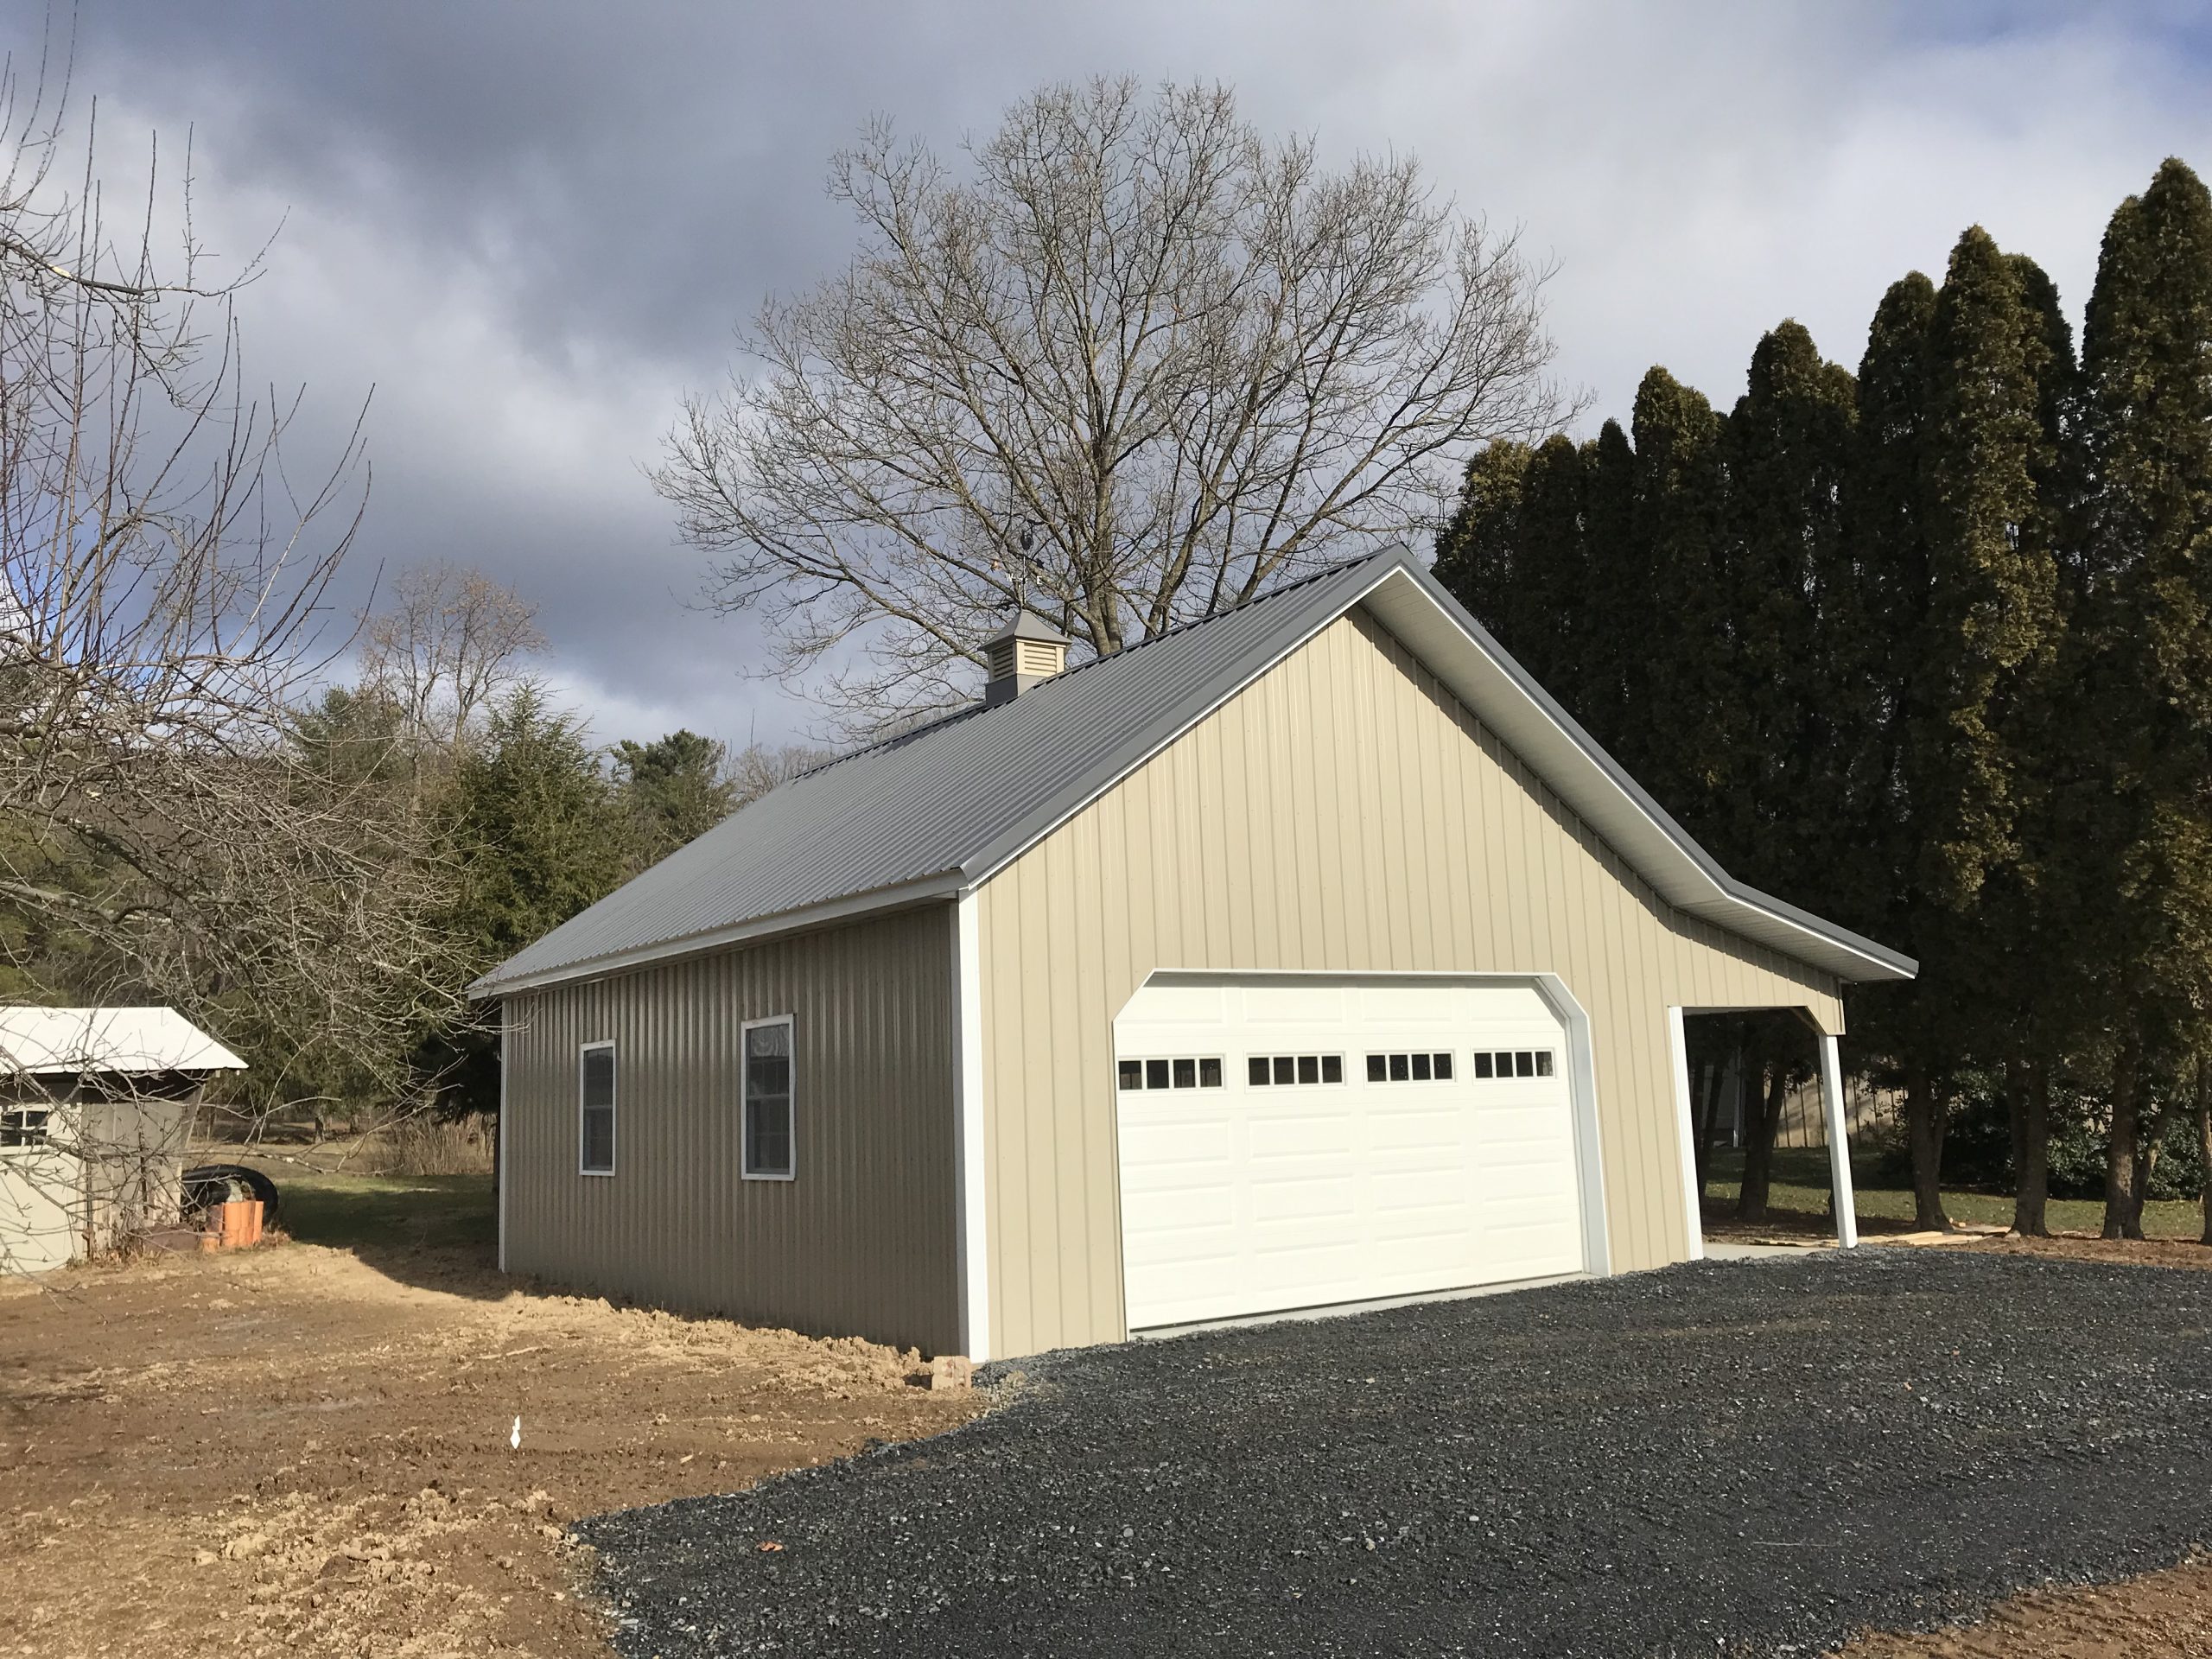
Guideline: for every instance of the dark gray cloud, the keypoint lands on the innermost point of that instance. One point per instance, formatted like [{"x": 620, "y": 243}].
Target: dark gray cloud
[{"x": 530, "y": 226}]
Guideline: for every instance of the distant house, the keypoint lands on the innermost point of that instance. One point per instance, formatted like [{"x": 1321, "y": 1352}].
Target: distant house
[
  {"x": 1304, "y": 956},
  {"x": 95, "y": 1105}
]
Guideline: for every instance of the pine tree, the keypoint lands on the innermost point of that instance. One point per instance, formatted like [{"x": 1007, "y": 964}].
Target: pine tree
[
  {"x": 671, "y": 790},
  {"x": 2147, "y": 579}
]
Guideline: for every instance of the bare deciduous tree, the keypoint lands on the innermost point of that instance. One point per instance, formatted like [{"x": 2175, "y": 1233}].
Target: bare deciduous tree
[
  {"x": 164, "y": 602},
  {"x": 1139, "y": 366},
  {"x": 451, "y": 640}
]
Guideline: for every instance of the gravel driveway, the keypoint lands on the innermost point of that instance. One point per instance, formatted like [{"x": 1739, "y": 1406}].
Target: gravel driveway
[{"x": 1716, "y": 1458}]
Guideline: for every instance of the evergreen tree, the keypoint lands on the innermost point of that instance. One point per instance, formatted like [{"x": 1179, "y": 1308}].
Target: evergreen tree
[
  {"x": 2147, "y": 581},
  {"x": 1787, "y": 444},
  {"x": 1682, "y": 721},
  {"x": 1978, "y": 675},
  {"x": 537, "y": 837},
  {"x": 1612, "y": 622},
  {"x": 672, "y": 790},
  {"x": 1478, "y": 554}
]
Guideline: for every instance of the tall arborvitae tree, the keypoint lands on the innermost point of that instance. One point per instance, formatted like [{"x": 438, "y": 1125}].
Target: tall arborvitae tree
[
  {"x": 1978, "y": 675},
  {"x": 1682, "y": 723},
  {"x": 1615, "y": 624},
  {"x": 1882, "y": 511},
  {"x": 1787, "y": 447},
  {"x": 1554, "y": 575},
  {"x": 1478, "y": 556},
  {"x": 2147, "y": 554}
]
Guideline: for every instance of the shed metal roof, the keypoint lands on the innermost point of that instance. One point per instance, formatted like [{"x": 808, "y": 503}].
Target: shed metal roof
[
  {"x": 940, "y": 809},
  {"x": 130, "y": 1041}
]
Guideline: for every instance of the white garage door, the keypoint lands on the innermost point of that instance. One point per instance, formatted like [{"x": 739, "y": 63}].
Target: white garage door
[{"x": 1287, "y": 1144}]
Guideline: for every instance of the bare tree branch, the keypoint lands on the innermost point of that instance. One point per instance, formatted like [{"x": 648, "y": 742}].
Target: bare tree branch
[{"x": 1138, "y": 366}]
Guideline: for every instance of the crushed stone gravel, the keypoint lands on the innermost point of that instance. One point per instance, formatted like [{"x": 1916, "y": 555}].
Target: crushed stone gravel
[{"x": 1716, "y": 1458}]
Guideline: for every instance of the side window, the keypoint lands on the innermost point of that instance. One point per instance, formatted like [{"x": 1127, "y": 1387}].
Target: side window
[
  {"x": 22, "y": 1126},
  {"x": 595, "y": 1110},
  {"x": 769, "y": 1125}
]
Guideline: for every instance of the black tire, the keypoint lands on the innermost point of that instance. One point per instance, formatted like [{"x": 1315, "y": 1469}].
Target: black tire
[{"x": 207, "y": 1184}]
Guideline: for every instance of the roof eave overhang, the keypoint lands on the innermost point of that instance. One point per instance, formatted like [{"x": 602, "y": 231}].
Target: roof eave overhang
[{"x": 848, "y": 907}]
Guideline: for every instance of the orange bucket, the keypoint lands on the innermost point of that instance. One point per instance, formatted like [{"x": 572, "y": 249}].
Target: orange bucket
[{"x": 238, "y": 1223}]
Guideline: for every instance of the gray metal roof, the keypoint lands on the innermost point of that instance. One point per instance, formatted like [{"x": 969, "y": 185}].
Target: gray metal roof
[{"x": 938, "y": 809}]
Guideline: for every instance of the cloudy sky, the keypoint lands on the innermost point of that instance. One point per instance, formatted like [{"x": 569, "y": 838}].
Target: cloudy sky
[{"x": 530, "y": 226}]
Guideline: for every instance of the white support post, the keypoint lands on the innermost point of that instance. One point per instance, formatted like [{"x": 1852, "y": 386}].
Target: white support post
[
  {"x": 1678, "y": 1052},
  {"x": 1846, "y": 1217}
]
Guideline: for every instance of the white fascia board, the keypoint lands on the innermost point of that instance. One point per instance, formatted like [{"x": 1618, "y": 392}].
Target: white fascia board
[{"x": 760, "y": 927}]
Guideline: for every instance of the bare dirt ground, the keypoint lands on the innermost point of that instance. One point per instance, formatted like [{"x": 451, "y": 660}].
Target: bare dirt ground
[
  {"x": 286, "y": 1451},
  {"x": 2160, "y": 1616}
]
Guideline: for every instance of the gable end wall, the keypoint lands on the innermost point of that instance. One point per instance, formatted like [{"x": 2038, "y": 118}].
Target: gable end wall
[{"x": 1344, "y": 813}]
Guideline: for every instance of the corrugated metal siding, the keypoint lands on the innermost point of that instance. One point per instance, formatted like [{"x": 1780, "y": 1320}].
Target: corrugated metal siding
[
  {"x": 861, "y": 1243},
  {"x": 1344, "y": 813}
]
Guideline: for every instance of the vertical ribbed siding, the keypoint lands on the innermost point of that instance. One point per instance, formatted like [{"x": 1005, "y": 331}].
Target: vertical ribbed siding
[
  {"x": 860, "y": 1244},
  {"x": 1344, "y": 812}
]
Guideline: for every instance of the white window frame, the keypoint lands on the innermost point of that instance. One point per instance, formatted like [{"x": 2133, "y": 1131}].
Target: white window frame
[
  {"x": 613, "y": 1111},
  {"x": 38, "y": 1147},
  {"x": 744, "y": 1103}
]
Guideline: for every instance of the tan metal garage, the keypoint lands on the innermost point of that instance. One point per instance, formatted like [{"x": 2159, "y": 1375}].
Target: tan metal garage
[{"x": 1333, "y": 825}]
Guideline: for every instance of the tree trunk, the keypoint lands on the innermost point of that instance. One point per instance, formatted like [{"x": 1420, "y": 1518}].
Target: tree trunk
[
  {"x": 2030, "y": 1094},
  {"x": 2204, "y": 1138},
  {"x": 2150, "y": 1141},
  {"x": 1708, "y": 1119},
  {"x": 1924, "y": 1126},
  {"x": 1758, "y": 1144},
  {"x": 2119, "y": 1146}
]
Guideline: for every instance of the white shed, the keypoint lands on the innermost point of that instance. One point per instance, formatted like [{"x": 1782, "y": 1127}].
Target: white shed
[{"x": 95, "y": 1105}]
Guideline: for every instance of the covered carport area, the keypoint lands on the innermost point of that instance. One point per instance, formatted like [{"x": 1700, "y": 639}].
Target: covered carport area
[{"x": 1699, "y": 1076}]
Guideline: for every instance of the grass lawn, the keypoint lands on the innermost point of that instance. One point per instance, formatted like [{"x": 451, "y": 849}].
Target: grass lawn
[
  {"x": 1800, "y": 1184},
  {"x": 410, "y": 1211}
]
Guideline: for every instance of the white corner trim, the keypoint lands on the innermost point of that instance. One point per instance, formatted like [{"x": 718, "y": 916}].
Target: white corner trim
[
  {"x": 1678, "y": 1063},
  {"x": 1839, "y": 1124},
  {"x": 505, "y": 1142},
  {"x": 972, "y": 1240}
]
